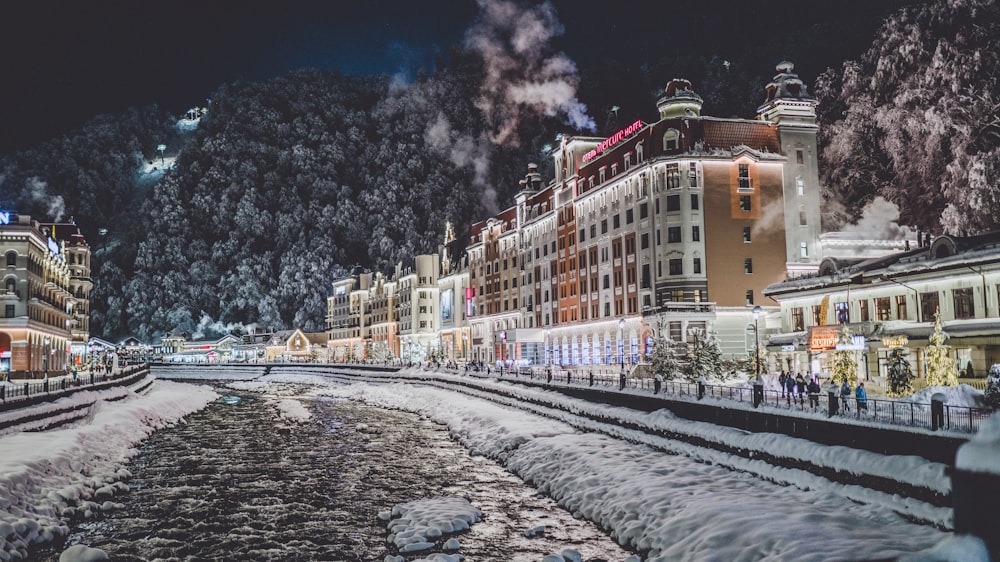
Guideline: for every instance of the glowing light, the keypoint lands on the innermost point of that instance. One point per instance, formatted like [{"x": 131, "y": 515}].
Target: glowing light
[{"x": 613, "y": 140}]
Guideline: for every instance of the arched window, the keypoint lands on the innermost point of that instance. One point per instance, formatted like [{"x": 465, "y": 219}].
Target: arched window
[
  {"x": 11, "y": 258},
  {"x": 10, "y": 285},
  {"x": 671, "y": 139}
]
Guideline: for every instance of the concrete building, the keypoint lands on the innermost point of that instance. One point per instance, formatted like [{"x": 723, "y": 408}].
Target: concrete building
[{"x": 891, "y": 301}]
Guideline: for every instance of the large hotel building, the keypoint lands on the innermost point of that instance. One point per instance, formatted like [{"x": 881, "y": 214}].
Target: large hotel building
[{"x": 674, "y": 225}]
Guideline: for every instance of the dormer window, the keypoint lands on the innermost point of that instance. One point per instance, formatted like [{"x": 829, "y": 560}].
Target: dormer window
[
  {"x": 628, "y": 160},
  {"x": 603, "y": 173},
  {"x": 671, "y": 139}
]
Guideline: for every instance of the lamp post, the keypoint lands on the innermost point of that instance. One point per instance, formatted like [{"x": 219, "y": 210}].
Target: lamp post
[
  {"x": 756, "y": 336},
  {"x": 45, "y": 359},
  {"x": 621, "y": 342},
  {"x": 548, "y": 346}
]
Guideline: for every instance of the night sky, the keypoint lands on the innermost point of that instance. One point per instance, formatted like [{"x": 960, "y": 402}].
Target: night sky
[{"x": 65, "y": 62}]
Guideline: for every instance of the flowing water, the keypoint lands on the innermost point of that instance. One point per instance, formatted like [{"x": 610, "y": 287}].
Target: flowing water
[{"x": 236, "y": 483}]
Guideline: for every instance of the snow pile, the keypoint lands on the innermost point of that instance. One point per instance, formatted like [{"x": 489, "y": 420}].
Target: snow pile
[
  {"x": 414, "y": 526},
  {"x": 961, "y": 395},
  {"x": 982, "y": 452},
  {"x": 49, "y": 476},
  {"x": 959, "y": 548},
  {"x": 293, "y": 410},
  {"x": 82, "y": 553}
]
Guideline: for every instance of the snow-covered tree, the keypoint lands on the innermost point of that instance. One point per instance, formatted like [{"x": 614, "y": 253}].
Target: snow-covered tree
[
  {"x": 940, "y": 365},
  {"x": 664, "y": 358},
  {"x": 844, "y": 365},
  {"x": 992, "y": 393},
  {"x": 704, "y": 356},
  {"x": 915, "y": 119},
  {"x": 900, "y": 375}
]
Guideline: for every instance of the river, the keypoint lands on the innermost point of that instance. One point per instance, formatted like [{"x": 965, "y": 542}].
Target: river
[{"x": 236, "y": 482}]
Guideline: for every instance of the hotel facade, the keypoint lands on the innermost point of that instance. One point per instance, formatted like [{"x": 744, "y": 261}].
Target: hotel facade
[
  {"x": 665, "y": 227},
  {"x": 45, "y": 294}
]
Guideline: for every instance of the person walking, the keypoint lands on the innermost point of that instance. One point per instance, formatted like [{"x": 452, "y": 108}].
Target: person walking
[
  {"x": 814, "y": 393},
  {"x": 781, "y": 382},
  {"x": 790, "y": 387},
  {"x": 845, "y": 395},
  {"x": 800, "y": 388},
  {"x": 862, "y": 397}
]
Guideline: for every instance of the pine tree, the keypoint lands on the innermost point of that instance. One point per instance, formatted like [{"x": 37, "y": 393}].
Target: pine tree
[
  {"x": 844, "y": 366},
  {"x": 941, "y": 370},
  {"x": 900, "y": 374},
  {"x": 704, "y": 357},
  {"x": 992, "y": 394},
  {"x": 664, "y": 358}
]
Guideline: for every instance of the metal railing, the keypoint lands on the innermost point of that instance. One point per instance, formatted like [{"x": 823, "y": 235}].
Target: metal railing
[
  {"x": 13, "y": 394},
  {"x": 962, "y": 419}
]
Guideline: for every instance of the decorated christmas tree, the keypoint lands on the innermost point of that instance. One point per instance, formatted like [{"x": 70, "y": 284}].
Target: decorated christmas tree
[
  {"x": 844, "y": 366},
  {"x": 941, "y": 369},
  {"x": 900, "y": 376}
]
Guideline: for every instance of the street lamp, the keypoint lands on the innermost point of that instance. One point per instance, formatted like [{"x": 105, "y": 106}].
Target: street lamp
[
  {"x": 621, "y": 342},
  {"x": 45, "y": 359},
  {"x": 756, "y": 336},
  {"x": 548, "y": 347}
]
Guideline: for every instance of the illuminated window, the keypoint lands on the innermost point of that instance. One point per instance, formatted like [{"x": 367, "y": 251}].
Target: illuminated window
[
  {"x": 800, "y": 186},
  {"x": 798, "y": 320},
  {"x": 883, "y": 309},
  {"x": 673, "y": 172},
  {"x": 745, "y": 182}
]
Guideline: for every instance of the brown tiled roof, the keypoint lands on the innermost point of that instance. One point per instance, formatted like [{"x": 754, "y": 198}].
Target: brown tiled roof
[{"x": 726, "y": 134}]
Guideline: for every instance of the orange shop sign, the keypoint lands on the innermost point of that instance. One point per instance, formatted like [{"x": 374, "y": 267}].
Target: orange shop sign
[{"x": 822, "y": 338}]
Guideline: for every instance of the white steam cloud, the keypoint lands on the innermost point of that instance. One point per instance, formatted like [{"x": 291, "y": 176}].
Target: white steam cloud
[
  {"x": 522, "y": 79},
  {"x": 36, "y": 190},
  {"x": 464, "y": 151},
  {"x": 880, "y": 221},
  {"x": 207, "y": 327}
]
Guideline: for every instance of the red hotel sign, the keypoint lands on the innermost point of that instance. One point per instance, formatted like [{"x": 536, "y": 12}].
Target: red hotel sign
[
  {"x": 822, "y": 338},
  {"x": 613, "y": 140}
]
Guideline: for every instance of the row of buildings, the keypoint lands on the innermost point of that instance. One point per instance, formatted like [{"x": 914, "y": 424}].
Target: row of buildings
[
  {"x": 675, "y": 225},
  {"x": 689, "y": 223},
  {"x": 45, "y": 293}
]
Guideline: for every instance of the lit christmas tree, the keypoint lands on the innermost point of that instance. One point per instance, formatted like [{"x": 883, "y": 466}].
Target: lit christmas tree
[
  {"x": 844, "y": 366},
  {"x": 900, "y": 374},
  {"x": 941, "y": 370}
]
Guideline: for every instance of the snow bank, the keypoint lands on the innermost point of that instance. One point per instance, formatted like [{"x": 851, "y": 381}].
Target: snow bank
[
  {"x": 49, "y": 476},
  {"x": 982, "y": 452},
  {"x": 961, "y": 395}
]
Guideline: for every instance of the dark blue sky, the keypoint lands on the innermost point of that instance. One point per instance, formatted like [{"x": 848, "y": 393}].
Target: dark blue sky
[{"x": 65, "y": 62}]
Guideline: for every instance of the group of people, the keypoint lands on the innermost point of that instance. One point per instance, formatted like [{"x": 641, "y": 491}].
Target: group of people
[{"x": 794, "y": 386}]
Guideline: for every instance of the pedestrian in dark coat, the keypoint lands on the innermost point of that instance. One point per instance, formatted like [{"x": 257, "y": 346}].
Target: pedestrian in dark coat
[
  {"x": 814, "y": 393},
  {"x": 790, "y": 386},
  {"x": 845, "y": 396},
  {"x": 800, "y": 388},
  {"x": 781, "y": 381}
]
